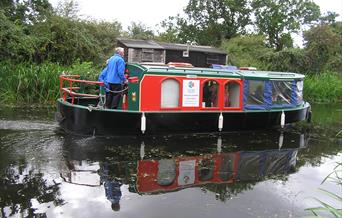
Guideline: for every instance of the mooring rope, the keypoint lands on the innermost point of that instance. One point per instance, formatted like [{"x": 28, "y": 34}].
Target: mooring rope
[{"x": 122, "y": 90}]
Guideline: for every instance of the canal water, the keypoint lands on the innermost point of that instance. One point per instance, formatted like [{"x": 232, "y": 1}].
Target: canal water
[{"x": 275, "y": 173}]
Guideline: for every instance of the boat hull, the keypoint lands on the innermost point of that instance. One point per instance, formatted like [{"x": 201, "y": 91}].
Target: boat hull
[{"x": 90, "y": 121}]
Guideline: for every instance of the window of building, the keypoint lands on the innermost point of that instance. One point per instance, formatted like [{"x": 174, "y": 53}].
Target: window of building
[
  {"x": 170, "y": 93},
  {"x": 232, "y": 94},
  {"x": 134, "y": 55},
  {"x": 213, "y": 59},
  {"x": 146, "y": 55},
  {"x": 210, "y": 94}
]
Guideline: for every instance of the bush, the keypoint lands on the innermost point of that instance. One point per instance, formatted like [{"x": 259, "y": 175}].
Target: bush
[
  {"x": 290, "y": 60},
  {"x": 245, "y": 51}
]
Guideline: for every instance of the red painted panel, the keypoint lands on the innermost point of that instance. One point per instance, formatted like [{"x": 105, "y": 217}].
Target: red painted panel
[
  {"x": 151, "y": 93},
  {"x": 147, "y": 172}
]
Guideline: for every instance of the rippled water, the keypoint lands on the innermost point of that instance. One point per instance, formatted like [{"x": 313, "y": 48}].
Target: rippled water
[{"x": 46, "y": 173}]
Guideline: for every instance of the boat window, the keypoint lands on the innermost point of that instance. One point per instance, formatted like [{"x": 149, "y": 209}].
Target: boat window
[
  {"x": 210, "y": 93},
  {"x": 170, "y": 93},
  {"x": 281, "y": 92},
  {"x": 226, "y": 168},
  {"x": 205, "y": 170},
  {"x": 255, "y": 95},
  {"x": 232, "y": 94},
  {"x": 299, "y": 91}
]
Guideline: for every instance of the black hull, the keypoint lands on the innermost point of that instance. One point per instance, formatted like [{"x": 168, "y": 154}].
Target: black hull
[{"x": 82, "y": 120}]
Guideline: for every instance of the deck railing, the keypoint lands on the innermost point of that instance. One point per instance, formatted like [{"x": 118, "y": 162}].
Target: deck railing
[{"x": 67, "y": 88}]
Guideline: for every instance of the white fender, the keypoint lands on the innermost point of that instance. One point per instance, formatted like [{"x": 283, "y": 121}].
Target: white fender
[
  {"x": 301, "y": 141},
  {"x": 282, "y": 119},
  {"x": 142, "y": 150},
  {"x": 143, "y": 123},
  {"x": 281, "y": 140},
  {"x": 220, "y": 122},
  {"x": 219, "y": 144}
]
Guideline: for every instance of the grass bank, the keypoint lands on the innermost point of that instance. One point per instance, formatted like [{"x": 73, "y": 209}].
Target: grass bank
[
  {"x": 31, "y": 84},
  {"x": 323, "y": 88}
]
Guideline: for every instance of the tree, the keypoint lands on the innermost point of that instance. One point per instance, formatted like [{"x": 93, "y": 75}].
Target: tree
[
  {"x": 65, "y": 41},
  {"x": 139, "y": 31},
  {"x": 14, "y": 43},
  {"x": 171, "y": 31},
  {"x": 27, "y": 12},
  {"x": 322, "y": 45},
  {"x": 208, "y": 22},
  {"x": 277, "y": 19},
  {"x": 68, "y": 9},
  {"x": 328, "y": 18}
]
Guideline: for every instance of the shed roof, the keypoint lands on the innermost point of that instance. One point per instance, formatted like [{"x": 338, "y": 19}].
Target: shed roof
[
  {"x": 183, "y": 47},
  {"x": 140, "y": 43}
]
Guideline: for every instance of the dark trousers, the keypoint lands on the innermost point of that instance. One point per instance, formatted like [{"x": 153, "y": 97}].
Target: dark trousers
[{"x": 113, "y": 98}]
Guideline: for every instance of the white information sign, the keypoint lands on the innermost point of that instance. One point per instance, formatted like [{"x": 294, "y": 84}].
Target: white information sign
[{"x": 191, "y": 90}]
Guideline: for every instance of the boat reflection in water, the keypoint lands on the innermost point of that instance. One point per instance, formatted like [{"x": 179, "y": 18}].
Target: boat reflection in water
[{"x": 226, "y": 164}]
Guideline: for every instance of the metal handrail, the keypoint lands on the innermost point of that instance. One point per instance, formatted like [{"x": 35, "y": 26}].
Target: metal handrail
[{"x": 70, "y": 89}]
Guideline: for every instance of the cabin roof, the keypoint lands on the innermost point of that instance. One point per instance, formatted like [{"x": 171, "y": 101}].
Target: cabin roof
[
  {"x": 269, "y": 75},
  {"x": 256, "y": 75}
]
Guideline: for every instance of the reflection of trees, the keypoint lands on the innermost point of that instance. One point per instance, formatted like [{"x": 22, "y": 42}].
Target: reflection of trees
[
  {"x": 227, "y": 191},
  {"x": 19, "y": 185}
]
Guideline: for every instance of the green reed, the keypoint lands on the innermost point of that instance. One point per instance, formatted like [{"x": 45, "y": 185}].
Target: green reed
[
  {"x": 334, "y": 177},
  {"x": 26, "y": 83},
  {"x": 323, "y": 88}
]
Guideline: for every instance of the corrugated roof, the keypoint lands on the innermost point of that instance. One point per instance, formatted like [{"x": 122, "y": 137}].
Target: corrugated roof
[
  {"x": 140, "y": 43},
  {"x": 183, "y": 47}
]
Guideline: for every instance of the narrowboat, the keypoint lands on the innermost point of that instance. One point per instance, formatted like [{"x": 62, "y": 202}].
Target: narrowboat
[{"x": 178, "y": 98}]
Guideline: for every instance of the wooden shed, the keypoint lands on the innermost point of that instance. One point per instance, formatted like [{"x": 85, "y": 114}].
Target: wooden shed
[{"x": 142, "y": 51}]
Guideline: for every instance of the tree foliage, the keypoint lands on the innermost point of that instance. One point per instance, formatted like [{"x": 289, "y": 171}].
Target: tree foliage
[
  {"x": 245, "y": 51},
  {"x": 208, "y": 22},
  {"x": 323, "y": 45},
  {"x": 287, "y": 60},
  {"x": 138, "y": 30},
  {"x": 277, "y": 19},
  {"x": 32, "y": 31}
]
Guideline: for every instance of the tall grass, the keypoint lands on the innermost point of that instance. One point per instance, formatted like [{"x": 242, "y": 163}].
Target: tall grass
[
  {"x": 26, "y": 83},
  {"x": 323, "y": 88}
]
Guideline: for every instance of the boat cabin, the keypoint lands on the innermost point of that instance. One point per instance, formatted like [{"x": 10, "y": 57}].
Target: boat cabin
[{"x": 175, "y": 87}]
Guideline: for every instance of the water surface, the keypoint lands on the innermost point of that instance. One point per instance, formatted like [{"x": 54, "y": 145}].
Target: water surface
[{"x": 274, "y": 173}]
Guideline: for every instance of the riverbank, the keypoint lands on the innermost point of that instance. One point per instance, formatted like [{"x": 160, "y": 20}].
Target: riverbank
[
  {"x": 31, "y": 84},
  {"x": 323, "y": 88}
]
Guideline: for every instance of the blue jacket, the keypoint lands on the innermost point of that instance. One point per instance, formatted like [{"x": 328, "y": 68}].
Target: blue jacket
[{"x": 114, "y": 72}]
